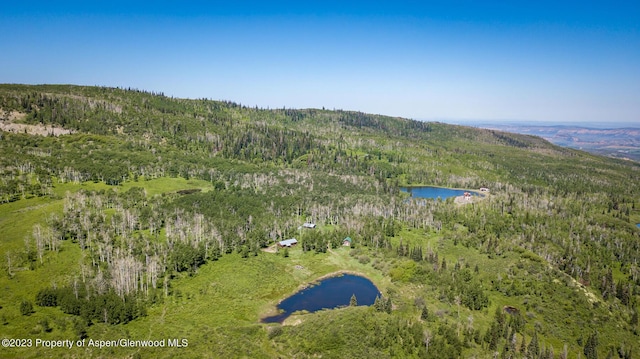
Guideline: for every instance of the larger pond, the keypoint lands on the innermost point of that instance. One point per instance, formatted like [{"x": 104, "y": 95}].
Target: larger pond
[
  {"x": 435, "y": 192},
  {"x": 329, "y": 293}
]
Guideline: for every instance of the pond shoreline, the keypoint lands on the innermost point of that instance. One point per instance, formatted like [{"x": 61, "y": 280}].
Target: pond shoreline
[
  {"x": 274, "y": 310},
  {"x": 460, "y": 195}
]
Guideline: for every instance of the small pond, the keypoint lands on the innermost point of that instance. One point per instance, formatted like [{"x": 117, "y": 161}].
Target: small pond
[
  {"x": 435, "y": 192},
  {"x": 329, "y": 293}
]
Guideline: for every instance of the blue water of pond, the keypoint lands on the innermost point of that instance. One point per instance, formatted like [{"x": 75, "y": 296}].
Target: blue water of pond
[
  {"x": 329, "y": 293},
  {"x": 638, "y": 225},
  {"x": 435, "y": 192}
]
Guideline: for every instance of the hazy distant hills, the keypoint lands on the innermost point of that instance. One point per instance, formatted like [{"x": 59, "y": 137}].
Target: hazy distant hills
[{"x": 619, "y": 142}]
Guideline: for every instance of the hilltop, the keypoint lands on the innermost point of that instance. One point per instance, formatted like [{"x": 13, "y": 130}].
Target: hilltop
[{"x": 130, "y": 214}]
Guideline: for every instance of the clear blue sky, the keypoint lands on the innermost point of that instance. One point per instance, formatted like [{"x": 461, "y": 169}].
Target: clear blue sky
[{"x": 559, "y": 61}]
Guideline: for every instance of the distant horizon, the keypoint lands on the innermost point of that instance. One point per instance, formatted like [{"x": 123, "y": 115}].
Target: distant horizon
[
  {"x": 500, "y": 122},
  {"x": 539, "y": 61}
]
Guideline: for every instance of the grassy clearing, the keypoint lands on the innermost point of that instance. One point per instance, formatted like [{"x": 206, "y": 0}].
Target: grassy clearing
[
  {"x": 20, "y": 280},
  {"x": 152, "y": 186},
  {"x": 215, "y": 310}
]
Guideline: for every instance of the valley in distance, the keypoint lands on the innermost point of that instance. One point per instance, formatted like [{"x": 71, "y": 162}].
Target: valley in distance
[{"x": 618, "y": 142}]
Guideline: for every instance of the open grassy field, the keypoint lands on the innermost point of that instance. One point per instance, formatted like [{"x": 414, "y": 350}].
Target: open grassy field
[{"x": 225, "y": 296}]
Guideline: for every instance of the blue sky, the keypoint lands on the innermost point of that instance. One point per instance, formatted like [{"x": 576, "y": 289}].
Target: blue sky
[{"x": 443, "y": 60}]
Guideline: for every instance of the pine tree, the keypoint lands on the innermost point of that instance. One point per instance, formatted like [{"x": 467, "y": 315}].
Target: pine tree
[
  {"x": 496, "y": 330},
  {"x": 608, "y": 285},
  {"x": 388, "y": 305},
  {"x": 533, "y": 350},
  {"x": 416, "y": 253},
  {"x": 591, "y": 346},
  {"x": 622, "y": 292},
  {"x": 378, "y": 304},
  {"x": 523, "y": 345},
  {"x": 425, "y": 313}
]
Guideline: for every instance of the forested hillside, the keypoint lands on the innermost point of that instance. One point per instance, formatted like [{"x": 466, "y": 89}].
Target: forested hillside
[{"x": 130, "y": 214}]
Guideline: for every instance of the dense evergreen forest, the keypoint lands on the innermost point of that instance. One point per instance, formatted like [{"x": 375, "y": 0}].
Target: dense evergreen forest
[{"x": 130, "y": 214}]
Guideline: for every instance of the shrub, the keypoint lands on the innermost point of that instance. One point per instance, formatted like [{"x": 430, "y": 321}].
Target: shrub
[
  {"x": 26, "y": 308},
  {"x": 46, "y": 326},
  {"x": 47, "y": 297},
  {"x": 274, "y": 331}
]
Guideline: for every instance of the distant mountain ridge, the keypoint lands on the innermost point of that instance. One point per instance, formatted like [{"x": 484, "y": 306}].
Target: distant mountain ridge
[{"x": 621, "y": 143}]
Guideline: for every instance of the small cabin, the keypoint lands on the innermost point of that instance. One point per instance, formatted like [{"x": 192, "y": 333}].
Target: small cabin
[
  {"x": 288, "y": 242},
  {"x": 347, "y": 242},
  {"x": 309, "y": 225}
]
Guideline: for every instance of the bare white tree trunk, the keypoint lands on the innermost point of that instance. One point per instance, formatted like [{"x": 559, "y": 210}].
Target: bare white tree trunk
[{"x": 38, "y": 236}]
